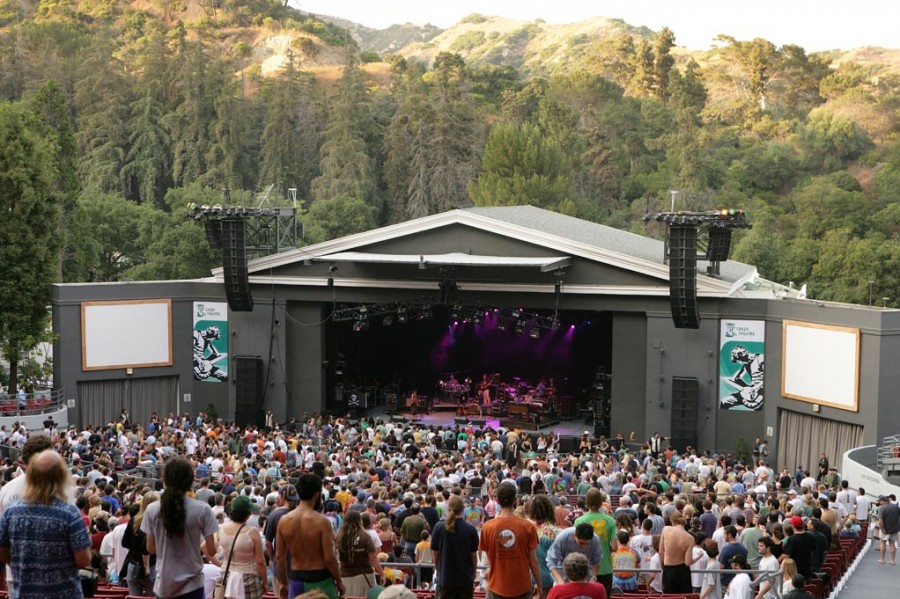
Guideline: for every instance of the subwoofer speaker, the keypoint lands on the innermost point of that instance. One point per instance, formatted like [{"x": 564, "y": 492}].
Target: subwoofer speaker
[
  {"x": 683, "y": 276},
  {"x": 234, "y": 265},
  {"x": 248, "y": 382}
]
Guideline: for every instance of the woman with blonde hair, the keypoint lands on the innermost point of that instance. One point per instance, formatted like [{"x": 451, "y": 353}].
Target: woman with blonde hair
[
  {"x": 387, "y": 536},
  {"x": 242, "y": 553},
  {"x": 140, "y": 566},
  {"x": 788, "y": 570}
]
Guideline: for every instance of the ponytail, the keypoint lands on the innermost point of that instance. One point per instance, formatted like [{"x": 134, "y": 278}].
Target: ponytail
[{"x": 454, "y": 510}]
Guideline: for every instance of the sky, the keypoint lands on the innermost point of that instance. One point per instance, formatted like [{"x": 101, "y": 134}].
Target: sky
[{"x": 815, "y": 25}]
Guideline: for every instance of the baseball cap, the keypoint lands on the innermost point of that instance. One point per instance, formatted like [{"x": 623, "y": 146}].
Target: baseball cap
[
  {"x": 796, "y": 521},
  {"x": 792, "y": 492},
  {"x": 241, "y": 503},
  {"x": 739, "y": 559},
  {"x": 289, "y": 492}
]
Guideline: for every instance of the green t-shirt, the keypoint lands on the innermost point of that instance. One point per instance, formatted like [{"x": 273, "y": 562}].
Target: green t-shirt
[{"x": 605, "y": 528}]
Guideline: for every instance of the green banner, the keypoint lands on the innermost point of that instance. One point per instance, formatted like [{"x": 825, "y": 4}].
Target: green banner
[
  {"x": 211, "y": 342},
  {"x": 742, "y": 364}
]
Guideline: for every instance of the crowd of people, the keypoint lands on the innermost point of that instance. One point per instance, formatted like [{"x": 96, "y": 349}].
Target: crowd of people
[{"x": 191, "y": 507}]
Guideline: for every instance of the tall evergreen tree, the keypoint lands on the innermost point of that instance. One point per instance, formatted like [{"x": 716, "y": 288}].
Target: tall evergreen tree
[
  {"x": 29, "y": 254},
  {"x": 148, "y": 164},
  {"x": 347, "y": 169}
]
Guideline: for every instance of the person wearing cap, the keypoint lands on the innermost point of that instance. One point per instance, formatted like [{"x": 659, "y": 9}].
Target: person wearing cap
[
  {"x": 800, "y": 547},
  {"x": 740, "y": 586},
  {"x": 889, "y": 527},
  {"x": 242, "y": 549},
  {"x": 285, "y": 501}
]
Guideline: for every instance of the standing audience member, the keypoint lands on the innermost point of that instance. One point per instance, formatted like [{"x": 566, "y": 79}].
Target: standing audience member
[
  {"x": 605, "y": 528},
  {"x": 676, "y": 546},
  {"x": 175, "y": 527},
  {"x": 579, "y": 539},
  {"x": 242, "y": 553},
  {"x": 359, "y": 561},
  {"x": 43, "y": 538},
  {"x": 140, "y": 566},
  {"x": 888, "y": 527},
  {"x": 510, "y": 543},
  {"x": 308, "y": 537},
  {"x": 454, "y": 547}
]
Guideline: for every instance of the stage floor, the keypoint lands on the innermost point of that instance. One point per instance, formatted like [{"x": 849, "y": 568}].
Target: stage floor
[{"x": 446, "y": 418}]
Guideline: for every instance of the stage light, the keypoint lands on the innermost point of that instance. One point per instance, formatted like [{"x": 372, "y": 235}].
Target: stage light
[
  {"x": 520, "y": 327},
  {"x": 554, "y": 324},
  {"x": 401, "y": 315},
  {"x": 535, "y": 333},
  {"x": 454, "y": 312},
  {"x": 501, "y": 325},
  {"x": 517, "y": 313},
  {"x": 478, "y": 318},
  {"x": 361, "y": 325},
  {"x": 425, "y": 314}
]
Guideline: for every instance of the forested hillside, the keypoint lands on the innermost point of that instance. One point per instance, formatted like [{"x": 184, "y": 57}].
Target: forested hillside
[{"x": 137, "y": 108}]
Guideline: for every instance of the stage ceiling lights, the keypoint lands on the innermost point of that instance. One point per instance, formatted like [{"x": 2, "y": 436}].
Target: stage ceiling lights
[
  {"x": 401, "y": 315},
  {"x": 535, "y": 333},
  {"x": 520, "y": 327},
  {"x": 360, "y": 325}
]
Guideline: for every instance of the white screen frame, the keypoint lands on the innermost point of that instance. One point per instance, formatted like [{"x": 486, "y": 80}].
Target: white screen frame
[
  {"x": 820, "y": 364},
  {"x": 126, "y": 334}
]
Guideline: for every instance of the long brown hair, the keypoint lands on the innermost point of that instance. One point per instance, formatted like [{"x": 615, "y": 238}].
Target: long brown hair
[
  {"x": 178, "y": 477},
  {"x": 455, "y": 508},
  {"x": 349, "y": 532}
]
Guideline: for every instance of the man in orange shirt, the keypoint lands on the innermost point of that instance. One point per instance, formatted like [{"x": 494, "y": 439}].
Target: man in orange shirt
[{"x": 510, "y": 543}]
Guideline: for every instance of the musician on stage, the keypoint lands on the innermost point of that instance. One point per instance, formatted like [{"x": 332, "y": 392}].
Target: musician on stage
[
  {"x": 484, "y": 390},
  {"x": 414, "y": 402}
]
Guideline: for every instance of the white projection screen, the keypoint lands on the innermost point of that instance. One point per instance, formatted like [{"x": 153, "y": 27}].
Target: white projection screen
[
  {"x": 821, "y": 364},
  {"x": 126, "y": 334}
]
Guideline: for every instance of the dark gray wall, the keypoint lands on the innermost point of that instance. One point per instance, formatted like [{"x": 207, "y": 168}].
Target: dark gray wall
[{"x": 629, "y": 373}]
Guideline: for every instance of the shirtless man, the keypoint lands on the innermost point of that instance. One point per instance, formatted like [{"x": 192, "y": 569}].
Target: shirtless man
[
  {"x": 676, "y": 549},
  {"x": 308, "y": 537}
]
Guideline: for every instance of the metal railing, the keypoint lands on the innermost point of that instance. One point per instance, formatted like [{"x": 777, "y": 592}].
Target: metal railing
[
  {"x": 890, "y": 448},
  {"x": 31, "y": 404}
]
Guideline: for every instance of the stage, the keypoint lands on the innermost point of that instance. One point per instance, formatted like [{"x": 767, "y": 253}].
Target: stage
[{"x": 574, "y": 427}]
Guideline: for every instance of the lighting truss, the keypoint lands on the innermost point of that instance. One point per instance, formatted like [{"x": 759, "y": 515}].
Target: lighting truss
[{"x": 714, "y": 229}]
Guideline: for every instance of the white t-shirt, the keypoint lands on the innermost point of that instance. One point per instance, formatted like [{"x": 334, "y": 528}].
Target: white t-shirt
[
  {"x": 740, "y": 587},
  {"x": 712, "y": 578},
  {"x": 863, "y": 504},
  {"x": 770, "y": 564},
  {"x": 701, "y": 562},
  {"x": 643, "y": 545}
]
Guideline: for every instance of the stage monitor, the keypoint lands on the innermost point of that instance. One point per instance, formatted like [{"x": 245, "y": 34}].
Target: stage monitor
[{"x": 820, "y": 364}]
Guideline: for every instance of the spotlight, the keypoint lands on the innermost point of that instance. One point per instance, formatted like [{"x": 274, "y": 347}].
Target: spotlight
[
  {"x": 535, "y": 333},
  {"x": 517, "y": 313},
  {"x": 554, "y": 324},
  {"x": 361, "y": 325},
  {"x": 425, "y": 314},
  {"x": 363, "y": 310},
  {"x": 401, "y": 315},
  {"x": 501, "y": 325},
  {"x": 388, "y": 320},
  {"x": 520, "y": 327},
  {"x": 454, "y": 312},
  {"x": 478, "y": 318}
]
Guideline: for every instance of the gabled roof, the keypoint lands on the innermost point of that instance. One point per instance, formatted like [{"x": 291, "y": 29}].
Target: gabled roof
[{"x": 558, "y": 233}]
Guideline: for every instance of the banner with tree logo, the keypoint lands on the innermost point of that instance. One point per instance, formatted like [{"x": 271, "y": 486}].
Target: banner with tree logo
[
  {"x": 742, "y": 364},
  {"x": 211, "y": 342}
]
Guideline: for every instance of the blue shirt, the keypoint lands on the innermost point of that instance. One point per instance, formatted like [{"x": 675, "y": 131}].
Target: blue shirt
[
  {"x": 565, "y": 544},
  {"x": 43, "y": 540}
]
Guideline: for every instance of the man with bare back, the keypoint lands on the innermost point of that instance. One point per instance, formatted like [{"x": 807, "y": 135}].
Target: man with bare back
[
  {"x": 308, "y": 537},
  {"x": 675, "y": 550}
]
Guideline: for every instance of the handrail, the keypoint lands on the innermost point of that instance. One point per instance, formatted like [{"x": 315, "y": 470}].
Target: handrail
[{"x": 31, "y": 404}]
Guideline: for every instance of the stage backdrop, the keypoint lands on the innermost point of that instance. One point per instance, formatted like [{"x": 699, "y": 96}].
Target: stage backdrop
[
  {"x": 742, "y": 364},
  {"x": 211, "y": 342}
]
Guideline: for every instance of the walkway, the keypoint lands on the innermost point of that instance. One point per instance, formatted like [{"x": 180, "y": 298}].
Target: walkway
[{"x": 871, "y": 580}]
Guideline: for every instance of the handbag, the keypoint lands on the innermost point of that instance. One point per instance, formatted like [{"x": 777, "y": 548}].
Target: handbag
[{"x": 222, "y": 581}]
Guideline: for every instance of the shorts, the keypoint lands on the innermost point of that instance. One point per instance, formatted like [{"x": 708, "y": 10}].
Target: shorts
[
  {"x": 677, "y": 579},
  {"x": 298, "y": 587},
  {"x": 889, "y": 536},
  {"x": 464, "y": 592}
]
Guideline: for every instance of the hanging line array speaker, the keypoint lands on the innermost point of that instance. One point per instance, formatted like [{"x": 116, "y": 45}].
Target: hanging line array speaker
[
  {"x": 234, "y": 263},
  {"x": 683, "y": 276}
]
